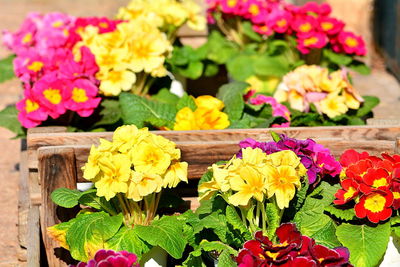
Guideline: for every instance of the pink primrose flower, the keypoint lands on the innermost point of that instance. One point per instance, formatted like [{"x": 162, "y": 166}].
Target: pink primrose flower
[
  {"x": 233, "y": 7},
  {"x": 263, "y": 29},
  {"x": 278, "y": 110},
  {"x": 330, "y": 26},
  {"x": 29, "y": 66},
  {"x": 281, "y": 21},
  {"x": 31, "y": 113},
  {"x": 51, "y": 93},
  {"x": 81, "y": 97},
  {"x": 313, "y": 9},
  {"x": 351, "y": 43},
  {"x": 255, "y": 11},
  {"x": 304, "y": 26},
  {"x": 316, "y": 40}
]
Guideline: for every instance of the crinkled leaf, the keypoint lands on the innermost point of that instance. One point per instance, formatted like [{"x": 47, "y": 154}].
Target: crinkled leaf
[
  {"x": 234, "y": 219},
  {"x": 273, "y": 218},
  {"x": 225, "y": 259},
  {"x": 167, "y": 233},
  {"x": 127, "y": 239},
  {"x": 90, "y": 199},
  {"x": 339, "y": 59},
  {"x": 6, "y": 68},
  {"x": 271, "y": 66},
  {"x": 110, "y": 113},
  {"x": 369, "y": 103},
  {"x": 367, "y": 244},
  {"x": 9, "y": 120},
  {"x": 240, "y": 67},
  {"x": 65, "y": 197},
  {"x": 90, "y": 232},
  {"x": 343, "y": 214},
  {"x": 186, "y": 101},
  {"x": 165, "y": 96},
  {"x": 232, "y": 96},
  {"x": 139, "y": 111},
  {"x": 220, "y": 50}
]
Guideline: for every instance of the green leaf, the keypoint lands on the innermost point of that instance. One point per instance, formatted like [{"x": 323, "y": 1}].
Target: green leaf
[
  {"x": 127, "y": 239},
  {"x": 247, "y": 28},
  {"x": 139, "y": 111},
  {"x": 111, "y": 112},
  {"x": 65, "y": 197},
  {"x": 90, "y": 199},
  {"x": 6, "y": 68},
  {"x": 360, "y": 67},
  {"x": 271, "y": 66},
  {"x": 367, "y": 244},
  {"x": 165, "y": 96},
  {"x": 9, "y": 120},
  {"x": 343, "y": 214},
  {"x": 225, "y": 259},
  {"x": 218, "y": 223},
  {"x": 240, "y": 66},
  {"x": 186, "y": 101},
  {"x": 369, "y": 103},
  {"x": 90, "y": 232},
  {"x": 167, "y": 233},
  {"x": 234, "y": 219},
  {"x": 339, "y": 59},
  {"x": 275, "y": 136},
  {"x": 211, "y": 70},
  {"x": 273, "y": 218},
  {"x": 232, "y": 96},
  {"x": 220, "y": 50},
  {"x": 193, "y": 70}
]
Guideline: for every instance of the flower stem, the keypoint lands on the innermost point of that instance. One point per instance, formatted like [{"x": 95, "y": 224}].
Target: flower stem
[
  {"x": 264, "y": 217},
  {"x": 125, "y": 210}
]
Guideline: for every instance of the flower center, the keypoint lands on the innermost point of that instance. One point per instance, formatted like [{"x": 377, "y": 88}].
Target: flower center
[
  {"x": 79, "y": 95},
  {"x": 27, "y": 38},
  {"x": 35, "y": 66},
  {"x": 231, "y": 3},
  {"x": 115, "y": 76},
  {"x": 396, "y": 195},
  {"x": 375, "y": 203},
  {"x": 305, "y": 27},
  {"x": 57, "y": 24},
  {"x": 103, "y": 25},
  {"x": 310, "y": 41},
  {"x": 254, "y": 10},
  {"x": 351, "y": 42},
  {"x": 326, "y": 26},
  {"x": 380, "y": 182},
  {"x": 281, "y": 23},
  {"x": 53, "y": 95},
  {"x": 31, "y": 106},
  {"x": 349, "y": 193}
]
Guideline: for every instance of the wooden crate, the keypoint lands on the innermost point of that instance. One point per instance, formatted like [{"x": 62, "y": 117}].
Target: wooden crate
[{"x": 55, "y": 158}]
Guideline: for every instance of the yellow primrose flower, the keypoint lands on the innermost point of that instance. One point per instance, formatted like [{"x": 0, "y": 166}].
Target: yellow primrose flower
[
  {"x": 333, "y": 105},
  {"x": 284, "y": 157},
  {"x": 296, "y": 100},
  {"x": 209, "y": 102},
  {"x": 219, "y": 182},
  {"x": 115, "y": 81},
  {"x": 282, "y": 182},
  {"x": 251, "y": 183},
  {"x": 167, "y": 146},
  {"x": 177, "y": 172},
  {"x": 185, "y": 120},
  {"x": 268, "y": 84},
  {"x": 253, "y": 156},
  {"x": 148, "y": 158},
  {"x": 125, "y": 137},
  {"x": 115, "y": 172},
  {"x": 91, "y": 167},
  {"x": 143, "y": 184},
  {"x": 211, "y": 119},
  {"x": 351, "y": 101}
]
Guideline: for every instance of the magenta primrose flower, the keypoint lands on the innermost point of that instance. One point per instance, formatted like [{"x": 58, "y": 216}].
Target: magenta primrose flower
[
  {"x": 278, "y": 110},
  {"x": 111, "y": 258}
]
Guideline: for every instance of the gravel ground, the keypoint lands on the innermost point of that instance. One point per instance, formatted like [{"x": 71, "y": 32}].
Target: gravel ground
[{"x": 12, "y": 12}]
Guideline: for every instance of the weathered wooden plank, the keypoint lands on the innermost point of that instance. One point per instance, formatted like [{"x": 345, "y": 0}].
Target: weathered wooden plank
[
  {"x": 36, "y": 140},
  {"x": 33, "y": 255},
  {"x": 23, "y": 200},
  {"x": 57, "y": 169}
]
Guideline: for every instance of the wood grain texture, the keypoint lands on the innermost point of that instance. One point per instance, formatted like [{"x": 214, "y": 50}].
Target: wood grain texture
[
  {"x": 23, "y": 200},
  {"x": 36, "y": 140},
  {"x": 33, "y": 249},
  {"x": 57, "y": 169}
]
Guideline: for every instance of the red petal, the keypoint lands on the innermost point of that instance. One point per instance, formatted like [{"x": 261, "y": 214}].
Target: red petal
[
  {"x": 288, "y": 233},
  {"x": 361, "y": 212}
]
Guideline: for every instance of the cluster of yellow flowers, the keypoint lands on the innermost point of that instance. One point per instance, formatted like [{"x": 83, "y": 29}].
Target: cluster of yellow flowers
[
  {"x": 331, "y": 93},
  {"x": 136, "y": 163},
  {"x": 165, "y": 13},
  {"x": 207, "y": 116},
  {"x": 256, "y": 175},
  {"x": 127, "y": 56}
]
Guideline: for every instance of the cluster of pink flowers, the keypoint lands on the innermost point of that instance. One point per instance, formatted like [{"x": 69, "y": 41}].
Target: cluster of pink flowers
[
  {"x": 278, "y": 110},
  {"x": 54, "y": 81},
  {"x": 311, "y": 24}
]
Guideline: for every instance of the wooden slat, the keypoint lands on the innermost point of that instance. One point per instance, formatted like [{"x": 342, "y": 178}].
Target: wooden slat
[
  {"x": 57, "y": 169},
  {"x": 36, "y": 140},
  {"x": 33, "y": 255},
  {"x": 23, "y": 200}
]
